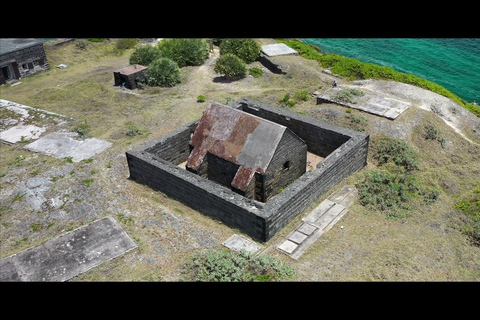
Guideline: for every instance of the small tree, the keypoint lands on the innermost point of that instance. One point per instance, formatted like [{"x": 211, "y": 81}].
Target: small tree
[
  {"x": 163, "y": 72},
  {"x": 145, "y": 55},
  {"x": 246, "y": 49},
  {"x": 185, "y": 52},
  {"x": 231, "y": 66}
]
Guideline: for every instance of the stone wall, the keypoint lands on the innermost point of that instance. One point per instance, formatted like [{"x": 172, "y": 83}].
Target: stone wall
[{"x": 345, "y": 151}]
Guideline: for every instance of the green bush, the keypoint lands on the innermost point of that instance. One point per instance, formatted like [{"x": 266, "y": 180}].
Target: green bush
[
  {"x": 126, "y": 43},
  {"x": 201, "y": 98},
  {"x": 145, "y": 55},
  {"x": 231, "y": 66},
  {"x": 387, "y": 192},
  {"x": 396, "y": 151},
  {"x": 246, "y": 49},
  {"x": 470, "y": 205},
  {"x": 232, "y": 266},
  {"x": 163, "y": 72},
  {"x": 255, "y": 72},
  {"x": 302, "y": 95},
  {"x": 185, "y": 52}
]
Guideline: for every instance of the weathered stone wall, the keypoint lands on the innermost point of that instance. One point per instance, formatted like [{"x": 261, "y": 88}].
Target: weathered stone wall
[
  {"x": 173, "y": 147},
  {"x": 280, "y": 173},
  {"x": 200, "y": 194},
  {"x": 154, "y": 164},
  {"x": 29, "y": 56},
  {"x": 220, "y": 170}
]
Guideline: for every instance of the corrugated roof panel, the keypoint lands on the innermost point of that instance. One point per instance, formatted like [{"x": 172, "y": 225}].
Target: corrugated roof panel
[{"x": 235, "y": 136}]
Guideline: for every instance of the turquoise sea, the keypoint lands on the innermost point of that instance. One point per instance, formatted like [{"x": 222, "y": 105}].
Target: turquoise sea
[{"x": 453, "y": 63}]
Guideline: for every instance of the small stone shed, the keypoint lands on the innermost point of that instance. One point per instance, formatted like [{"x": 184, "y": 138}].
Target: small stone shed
[
  {"x": 21, "y": 57},
  {"x": 253, "y": 156},
  {"x": 130, "y": 76}
]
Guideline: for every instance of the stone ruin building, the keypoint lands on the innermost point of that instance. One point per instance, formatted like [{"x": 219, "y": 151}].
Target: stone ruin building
[
  {"x": 253, "y": 156},
  {"x": 20, "y": 58},
  {"x": 250, "y": 144}
]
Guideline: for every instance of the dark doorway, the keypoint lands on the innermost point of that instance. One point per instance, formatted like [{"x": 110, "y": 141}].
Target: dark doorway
[{"x": 7, "y": 74}]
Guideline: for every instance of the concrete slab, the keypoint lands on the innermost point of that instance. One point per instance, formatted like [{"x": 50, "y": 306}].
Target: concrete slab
[
  {"x": 288, "y": 246},
  {"x": 372, "y": 102},
  {"x": 68, "y": 255},
  {"x": 318, "y": 221},
  {"x": 297, "y": 237},
  {"x": 24, "y": 110},
  {"x": 277, "y": 49},
  {"x": 307, "y": 228},
  {"x": 63, "y": 144},
  {"x": 238, "y": 242},
  {"x": 19, "y": 132},
  {"x": 316, "y": 213}
]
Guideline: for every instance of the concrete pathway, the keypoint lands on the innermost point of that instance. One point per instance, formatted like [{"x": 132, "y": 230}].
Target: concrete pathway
[{"x": 317, "y": 222}]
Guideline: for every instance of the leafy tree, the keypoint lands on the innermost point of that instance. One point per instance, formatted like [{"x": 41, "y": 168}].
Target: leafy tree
[
  {"x": 145, "y": 55},
  {"x": 246, "y": 49},
  {"x": 163, "y": 72},
  {"x": 231, "y": 66},
  {"x": 185, "y": 52}
]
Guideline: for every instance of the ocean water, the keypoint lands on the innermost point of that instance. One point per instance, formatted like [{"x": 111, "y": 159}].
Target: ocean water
[{"x": 453, "y": 63}]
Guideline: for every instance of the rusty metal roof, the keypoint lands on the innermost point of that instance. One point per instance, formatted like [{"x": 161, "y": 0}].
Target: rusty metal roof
[
  {"x": 134, "y": 68},
  {"x": 238, "y": 137}
]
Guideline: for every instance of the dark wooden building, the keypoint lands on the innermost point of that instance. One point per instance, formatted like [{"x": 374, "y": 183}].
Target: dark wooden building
[
  {"x": 20, "y": 58},
  {"x": 251, "y": 155},
  {"x": 130, "y": 76}
]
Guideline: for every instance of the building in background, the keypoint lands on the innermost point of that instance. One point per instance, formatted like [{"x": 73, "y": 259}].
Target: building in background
[{"x": 21, "y": 57}]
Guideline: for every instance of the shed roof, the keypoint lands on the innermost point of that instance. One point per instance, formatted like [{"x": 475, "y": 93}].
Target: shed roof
[
  {"x": 8, "y": 45},
  {"x": 134, "y": 68},
  {"x": 238, "y": 137}
]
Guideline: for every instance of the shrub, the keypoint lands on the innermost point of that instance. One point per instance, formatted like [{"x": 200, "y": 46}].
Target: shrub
[
  {"x": 145, "y": 55},
  {"x": 185, "y": 52},
  {"x": 386, "y": 192},
  {"x": 201, "y": 98},
  {"x": 231, "y": 66},
  {"x": 163, "y": 72},
  {"x": 302, "y": 95},
  {"x": 255, "y": 72},
  {"x": 81, "y": 44},
  {"x": 396, "y": 151},
  {"x": 126, "y": 43},
  {"x": 431, "y": 132},
  {"x": 246, "y": 49},
  {"x": 470, "y": 205},
  {"x": 232, "y": 266}
]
